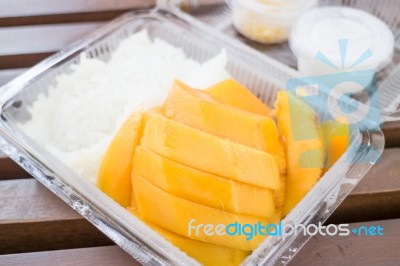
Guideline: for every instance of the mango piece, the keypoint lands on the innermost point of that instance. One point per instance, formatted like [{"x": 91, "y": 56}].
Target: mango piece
[
  {"x": 305, "y": 152},
  {"x": 209, "y": 153},
  {"x": 184, "y": 217},
  {"x": 114, "y": 176},
  {"x": 233, "y": 93},
  {"x": 198, "y": 109},
  {"x": 202, "y": 187},
  {"x": 205, "y": 253},
  {"x": 337, "y": 140}
]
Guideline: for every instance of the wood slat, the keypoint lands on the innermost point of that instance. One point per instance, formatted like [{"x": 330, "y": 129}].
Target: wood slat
[
  {"x": 33, "y": 219},
  {"x": 43, "y": 205},
  {"x": 42, "y": 39},
  {"x": 10, "y": 170},
  {"x": 50, "y": 235},
  {"x": 392, "y": 134},
  {"x": 9, "y": 74},
  {"x": 63, "y": 11},
  {"x": 18, "y": 8},
  {"x": 26, "y": 46},
  {"x": 98, "y": 256},
  {"x": 18, "y": 61},
  {"x": 336, "y": 250},
  {"x": 377, "y": 196}
]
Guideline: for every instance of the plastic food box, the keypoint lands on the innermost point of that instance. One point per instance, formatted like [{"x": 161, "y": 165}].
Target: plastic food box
[{"x": 264, "y": 76}]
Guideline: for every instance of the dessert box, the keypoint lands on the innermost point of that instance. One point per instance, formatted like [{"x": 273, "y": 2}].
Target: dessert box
[{"x": 263, "y": 75}]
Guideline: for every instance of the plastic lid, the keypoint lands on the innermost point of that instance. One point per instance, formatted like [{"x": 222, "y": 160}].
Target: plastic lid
[{"x": 343, "y": 37}]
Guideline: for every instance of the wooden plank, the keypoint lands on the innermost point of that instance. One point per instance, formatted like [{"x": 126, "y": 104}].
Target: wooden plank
[
  {"x": 10, "y": 170},
  {"x": 98, "y": 256},
  {"x": 61, "y": 18},
  {"x": 43, "y": 205},
  {"x": 33, "y": 219},
  {"x": 9, "y": 74},
  {"x": 65, "y": 11},
  {"x": 384, "y": 176},
  {"x": 392, "y": 134},
  {"x": 335, "y": 250},
  {"x": 19, "y": 8},
  {"x": 353, "y": 249},
  {"x": 22, "y": 61},
  {"x": 377, "y": 196},
  {"x": 42, "y": 39},
  {"x": 50, "y": 235},
  {"x": 25, "y": 46}
]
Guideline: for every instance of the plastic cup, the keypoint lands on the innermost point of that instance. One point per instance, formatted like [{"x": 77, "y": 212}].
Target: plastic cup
[
  {"x": 329, "y": 40},
  {"x": 268, "y": 21}
]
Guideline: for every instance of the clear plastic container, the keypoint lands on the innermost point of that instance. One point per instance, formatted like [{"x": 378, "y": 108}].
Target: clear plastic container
[
  {"x": 259, "y": 73},
  {"x": 329, "y": 40},
  {"x": 267, "y": 21}
]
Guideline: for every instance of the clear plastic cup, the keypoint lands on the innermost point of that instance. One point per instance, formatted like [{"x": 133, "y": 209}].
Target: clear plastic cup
[
  {"x": 268, "y": 21},
  {"x": 330, "y": 40}
]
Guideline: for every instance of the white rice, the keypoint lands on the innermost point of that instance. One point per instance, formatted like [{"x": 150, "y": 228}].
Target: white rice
[{"x": 80, "y": 115}]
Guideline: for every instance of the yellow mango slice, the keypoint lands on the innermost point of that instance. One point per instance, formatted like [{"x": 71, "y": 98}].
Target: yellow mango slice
[
  {"x": 198, "y": 109},
  {"x": 114, "y": 176},
  {"x": 202, "y": 187},
  {"x": 305, "y": 152},
  {"x": 184, "y": 217},
  {"x": 205, "y": 253},
  {"x": 233, "y": 93},
  {"x": 209, "y": 153},
  {"x": 337, "y": 140}
]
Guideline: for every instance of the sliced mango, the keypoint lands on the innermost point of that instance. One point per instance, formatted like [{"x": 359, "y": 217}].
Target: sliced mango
[
  {"x": 305, "y": 152},
  {"x": 233, "y": 93},
  {"x": 205, "y": 253},
  {"x": 209, "y": 153},
  {"x": 337, "y": 140},
  {"x": 178, "y": 215},
  {"x": 114, "y": 176},
  {"x": 198, "y": 109},
  {"x": 202, "y": 187}
]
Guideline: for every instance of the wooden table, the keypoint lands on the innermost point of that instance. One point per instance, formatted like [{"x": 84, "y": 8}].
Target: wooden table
[{"x": 36, "y": 228}]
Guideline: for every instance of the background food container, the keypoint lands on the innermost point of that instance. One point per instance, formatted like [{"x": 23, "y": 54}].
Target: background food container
[
  {"x": 268, "y": 21},
  {"x": 264, "y": 76},
  {"x": 329, "y": 40}
]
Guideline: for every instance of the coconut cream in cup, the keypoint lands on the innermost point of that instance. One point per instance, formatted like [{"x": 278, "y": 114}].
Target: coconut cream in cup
[
  {"x": 330, "y": 40},
  {"x": 268, "y": 21}
]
